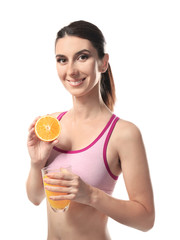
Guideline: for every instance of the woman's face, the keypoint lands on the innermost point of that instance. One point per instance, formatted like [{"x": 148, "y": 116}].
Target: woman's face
[{"x": 78, "y": 65}]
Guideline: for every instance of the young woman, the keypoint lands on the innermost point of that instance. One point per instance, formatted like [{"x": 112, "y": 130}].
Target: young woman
[{"x": 98, "y": 145}]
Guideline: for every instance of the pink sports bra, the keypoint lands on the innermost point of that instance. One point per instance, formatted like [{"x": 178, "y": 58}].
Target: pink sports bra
[{"x": 89, "y": 163}]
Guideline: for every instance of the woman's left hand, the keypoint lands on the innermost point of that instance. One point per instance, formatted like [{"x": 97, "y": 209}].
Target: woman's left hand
[{"x": 71, "y": 184}]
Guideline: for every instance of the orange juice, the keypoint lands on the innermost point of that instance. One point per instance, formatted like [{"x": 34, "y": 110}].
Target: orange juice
[{"x": 58, "y": 204}]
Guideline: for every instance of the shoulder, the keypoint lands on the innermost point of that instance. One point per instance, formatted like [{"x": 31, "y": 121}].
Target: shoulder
[
  {"x": 128, "y": 142},
  {"x": 126, "y": 131}
]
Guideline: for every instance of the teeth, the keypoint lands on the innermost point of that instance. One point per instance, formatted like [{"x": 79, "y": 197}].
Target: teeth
[{"x": 76, "y": 82}]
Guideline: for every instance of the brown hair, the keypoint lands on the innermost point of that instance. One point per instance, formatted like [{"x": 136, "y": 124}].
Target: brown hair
[{"x": 92, "y": 33}]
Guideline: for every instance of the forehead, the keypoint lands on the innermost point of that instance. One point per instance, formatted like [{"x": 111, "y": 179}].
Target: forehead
[{"x": 70, "y": 45}]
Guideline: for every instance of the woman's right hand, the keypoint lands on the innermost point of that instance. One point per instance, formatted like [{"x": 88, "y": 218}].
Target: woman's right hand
[{"x": 39, "y": 150}]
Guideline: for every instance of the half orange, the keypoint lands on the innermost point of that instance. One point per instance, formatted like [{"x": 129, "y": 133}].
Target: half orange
[{"x": 47, "y": 128}]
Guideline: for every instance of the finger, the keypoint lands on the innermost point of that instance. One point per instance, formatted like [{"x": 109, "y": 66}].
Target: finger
[
  {"x": 31, "y": 135},
  {"x": 57, "y": 189},
  {"x": 61, "y": 175},
  {"x": 31, "y": 131},
  {"x": 57, "y": 182},
  {"x": 63, "y": 197},
  {"x": 55, "y": 142},
  {"x": 33, "y": 123}
]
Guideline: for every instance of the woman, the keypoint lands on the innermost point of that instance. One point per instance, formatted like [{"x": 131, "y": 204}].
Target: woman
[{"x": 99, "y": 146}]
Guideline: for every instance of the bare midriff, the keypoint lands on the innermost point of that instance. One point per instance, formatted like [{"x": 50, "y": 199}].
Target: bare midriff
[{"x": 80, "y": 222}]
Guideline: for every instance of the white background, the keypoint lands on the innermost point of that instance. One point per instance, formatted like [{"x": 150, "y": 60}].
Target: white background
[{"x": 144, "y": 45}]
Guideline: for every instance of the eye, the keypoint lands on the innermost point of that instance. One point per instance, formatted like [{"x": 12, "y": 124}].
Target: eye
[
  {"x": 83, "y": 57},
  {"x": 61, "y": 60}
]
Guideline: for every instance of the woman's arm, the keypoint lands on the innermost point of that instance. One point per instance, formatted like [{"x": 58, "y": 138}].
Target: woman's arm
[
  {"x": 138, "y": 211},
  {"x": 34, "y": 186}
]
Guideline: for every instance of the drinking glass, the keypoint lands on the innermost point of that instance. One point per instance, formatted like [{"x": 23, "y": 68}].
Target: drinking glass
[{"x": 56, "y": 205}]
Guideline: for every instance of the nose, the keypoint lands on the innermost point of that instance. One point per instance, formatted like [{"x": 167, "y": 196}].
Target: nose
[{"x": 72, "y": 70}]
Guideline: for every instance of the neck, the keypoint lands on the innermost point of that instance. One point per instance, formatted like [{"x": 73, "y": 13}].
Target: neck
[{"x": 88, "y": 106}]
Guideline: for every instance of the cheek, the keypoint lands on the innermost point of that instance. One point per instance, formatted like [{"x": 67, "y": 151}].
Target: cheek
[
  {"x": 90, "y": 68},
  {"x": 60, "y": 72}
]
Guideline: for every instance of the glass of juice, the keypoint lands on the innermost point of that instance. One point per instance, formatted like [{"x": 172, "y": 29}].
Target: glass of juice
[{"x": 56, "y": 205}]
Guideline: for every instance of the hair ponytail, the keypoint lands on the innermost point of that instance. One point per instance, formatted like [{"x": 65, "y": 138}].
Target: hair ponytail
[{"x": 108, "y": 88}]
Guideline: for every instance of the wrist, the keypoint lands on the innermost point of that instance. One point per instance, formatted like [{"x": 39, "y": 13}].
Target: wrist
[
  {"x": 36, "y": 167},
  {"x": 94, "y": 197},
  {"x": 36, "y": 164}
]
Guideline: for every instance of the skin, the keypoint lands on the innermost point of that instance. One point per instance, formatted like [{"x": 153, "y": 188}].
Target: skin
[{"x": 78, "y": 61}]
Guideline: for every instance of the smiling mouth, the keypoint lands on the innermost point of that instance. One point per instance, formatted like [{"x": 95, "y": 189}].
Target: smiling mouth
[{"x": 76, "y": 82}]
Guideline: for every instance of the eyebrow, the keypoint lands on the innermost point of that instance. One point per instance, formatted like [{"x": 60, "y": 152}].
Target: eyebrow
[{"x": 76, "y": 54}]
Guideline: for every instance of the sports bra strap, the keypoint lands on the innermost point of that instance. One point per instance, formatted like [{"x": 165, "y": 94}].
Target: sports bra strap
[
  {"x": 61, "y": 115},
  {"x": 105, "y": 147}
]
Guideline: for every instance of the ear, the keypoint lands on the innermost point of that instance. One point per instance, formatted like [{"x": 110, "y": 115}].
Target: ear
[{"x": 104, "y": 63}]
